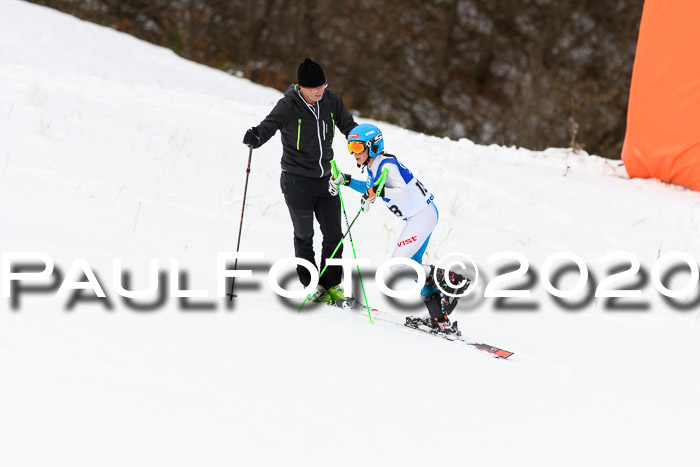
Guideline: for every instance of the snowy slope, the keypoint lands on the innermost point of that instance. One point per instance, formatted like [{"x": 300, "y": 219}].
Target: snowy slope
[{"x": 114, "y": 148}]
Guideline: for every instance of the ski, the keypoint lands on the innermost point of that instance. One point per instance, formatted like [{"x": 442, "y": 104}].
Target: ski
[
  {"x": 498, "y": 353},
  {"x": 456, "y": 335},
  {"x": 351, "y": 303}
]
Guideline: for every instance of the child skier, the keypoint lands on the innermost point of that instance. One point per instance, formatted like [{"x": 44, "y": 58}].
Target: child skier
[{"x": 408, "y": 199}]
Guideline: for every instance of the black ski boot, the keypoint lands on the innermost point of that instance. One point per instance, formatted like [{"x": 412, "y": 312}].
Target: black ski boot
[
  {"x": 438, "y": 318},
  {"x": 432, "y": 303},
  {"x": 451, "y": 282}
]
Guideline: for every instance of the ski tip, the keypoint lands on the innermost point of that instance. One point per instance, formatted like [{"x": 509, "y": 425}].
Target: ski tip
[
  {"x": 502, "y": 354},
  {"x": 495, "y": 351}
]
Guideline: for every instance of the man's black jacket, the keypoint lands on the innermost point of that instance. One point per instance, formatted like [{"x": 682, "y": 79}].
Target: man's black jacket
[{"x": 307, "y": 138}]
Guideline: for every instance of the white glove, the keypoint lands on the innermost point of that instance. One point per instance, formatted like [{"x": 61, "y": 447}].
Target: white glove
[
  {"x": 334, "y": 183},
  {"x": 368, "y": 198}
]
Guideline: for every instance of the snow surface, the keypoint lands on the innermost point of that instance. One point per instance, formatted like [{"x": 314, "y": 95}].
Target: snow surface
[{"x": 114, "y": 148}]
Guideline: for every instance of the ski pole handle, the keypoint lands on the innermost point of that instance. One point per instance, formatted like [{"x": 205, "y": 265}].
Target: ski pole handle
[
  {"x": 334, "y": 168},
  {"x": 381, "y": 180}
]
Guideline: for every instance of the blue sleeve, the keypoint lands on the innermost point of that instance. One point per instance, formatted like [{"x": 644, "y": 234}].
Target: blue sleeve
[{"x": 357, "y": 185}]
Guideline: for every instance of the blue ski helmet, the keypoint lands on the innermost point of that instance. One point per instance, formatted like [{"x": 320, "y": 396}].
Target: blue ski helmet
[{"x": 370, "y": 136}]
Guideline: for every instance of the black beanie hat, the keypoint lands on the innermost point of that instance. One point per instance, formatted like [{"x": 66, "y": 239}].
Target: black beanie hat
[{"x": 310, "y": 74}]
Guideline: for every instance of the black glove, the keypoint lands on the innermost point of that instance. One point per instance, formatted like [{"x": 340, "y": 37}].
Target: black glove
[{"x": 252, "y": 138}]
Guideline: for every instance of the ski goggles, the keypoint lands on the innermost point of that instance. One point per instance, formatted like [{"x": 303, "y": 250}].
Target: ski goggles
[{"x": 356, "y": 147}]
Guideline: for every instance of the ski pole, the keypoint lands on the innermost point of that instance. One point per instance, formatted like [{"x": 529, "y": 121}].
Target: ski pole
[
  {"x": 380, "y": 183},
  {"x": 240, "y": 227},
  {"x": 332, "y": 255},
  {"x": 334, "y": 166}
]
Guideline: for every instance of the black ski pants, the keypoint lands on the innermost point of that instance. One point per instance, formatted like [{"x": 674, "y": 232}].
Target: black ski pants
[{"x": 306, "y": 197}]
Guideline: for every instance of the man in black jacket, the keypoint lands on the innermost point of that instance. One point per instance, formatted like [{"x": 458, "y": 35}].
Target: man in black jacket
[{"x": 307, "y": 117}]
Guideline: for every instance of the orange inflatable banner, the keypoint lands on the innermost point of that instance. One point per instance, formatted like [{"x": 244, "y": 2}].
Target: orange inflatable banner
[{"x": 663, "y": 118}]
